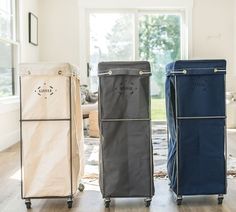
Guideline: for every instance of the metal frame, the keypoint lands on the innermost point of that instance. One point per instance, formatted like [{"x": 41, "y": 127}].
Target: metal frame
[
  {"x": 177, "y": 135},
  {"x": 225, "y": 137},
  {"x": 70, "y": 196},
  {"x": 107, "y": 198},
  {"x": 179, "y": 196}
]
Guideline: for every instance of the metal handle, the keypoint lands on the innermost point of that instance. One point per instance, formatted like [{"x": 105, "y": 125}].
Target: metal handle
[
  {"x": 144, "y": 72},
  {"x": 218, "y": 70},
  {"x": 105, "y": 73},
  {"x": 179, "y": 72}
]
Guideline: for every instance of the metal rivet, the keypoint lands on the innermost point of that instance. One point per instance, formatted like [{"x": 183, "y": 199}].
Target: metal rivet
[
  {"x": 60, "y": 72},
  {"x": 110, "y": 72},
  {"x": 141, "y": 72},
  {"x": 29, "y": 72},
  {"x": 215, "y": 70},
  {"x": 185, "y": 71}
]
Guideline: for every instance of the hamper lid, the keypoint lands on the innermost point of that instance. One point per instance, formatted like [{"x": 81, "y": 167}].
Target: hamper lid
[
  {"x": 48, "y": 69},
  {"x": 196, "y": 67},
  {"x": 124, "y": 68}
]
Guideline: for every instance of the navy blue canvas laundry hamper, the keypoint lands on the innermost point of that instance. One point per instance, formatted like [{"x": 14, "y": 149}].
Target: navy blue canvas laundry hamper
[
  {"x": 196, "y": 119},
  {"x": 126, "y": 163}
]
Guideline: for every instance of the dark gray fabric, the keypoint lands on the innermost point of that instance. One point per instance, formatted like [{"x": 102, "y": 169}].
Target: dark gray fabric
[
  {"x": 126, "y": 164},
  {"x": 127, "y": 97}
]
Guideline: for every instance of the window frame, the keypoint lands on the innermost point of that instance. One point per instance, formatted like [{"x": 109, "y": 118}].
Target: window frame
[{"x": 136, "y": 13}]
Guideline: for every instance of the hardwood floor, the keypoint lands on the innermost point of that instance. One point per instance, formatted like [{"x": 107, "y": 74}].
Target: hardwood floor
[{"x": 91, "y": 201}]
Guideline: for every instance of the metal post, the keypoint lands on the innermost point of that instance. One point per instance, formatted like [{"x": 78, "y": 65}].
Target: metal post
[
  {"x": 71, "y": 176},
  {"x": 225, "y": 136},
  {"x": 177, "y": 136},
  {"x": 21, "y": 144},
  {"x": 150, "y": 141},
  {"x": 101, "y": 137}
]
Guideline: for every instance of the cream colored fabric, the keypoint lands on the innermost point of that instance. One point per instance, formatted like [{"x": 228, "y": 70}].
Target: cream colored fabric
[
  {"x": 45, "y": 97},
  {"x": 46, "y": 144}
]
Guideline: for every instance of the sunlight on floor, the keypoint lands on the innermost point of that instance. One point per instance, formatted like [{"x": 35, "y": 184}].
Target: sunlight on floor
[{"x": 16, "y": 175}]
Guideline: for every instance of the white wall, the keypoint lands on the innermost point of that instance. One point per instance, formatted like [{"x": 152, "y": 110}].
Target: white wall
[
  {"x": 28, "y": 52},
  {"x": 9, "y": 107},
  {"x": 58, "y": 31},
  {"x": 9, "y": 122},
  {"x": 213, "y": 37},
  {"x": 234, "y": 35},
  {"x": 213, "y": 33}
]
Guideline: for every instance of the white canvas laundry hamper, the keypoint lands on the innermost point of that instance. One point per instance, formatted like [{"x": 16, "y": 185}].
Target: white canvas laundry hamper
[{"x": 51, "y": 132}]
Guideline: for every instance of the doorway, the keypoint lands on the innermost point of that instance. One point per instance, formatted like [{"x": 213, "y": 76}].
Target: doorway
[{"x": 155, "y": 36}]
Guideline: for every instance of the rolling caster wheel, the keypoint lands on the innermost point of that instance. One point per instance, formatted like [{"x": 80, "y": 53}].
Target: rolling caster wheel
[
  {"x": 107, "y": 202},
  {"x": 81, "y": 187},
  {"x": 220, "y": 199},
  {"x": 69, "y": 202},
  {"x": 147, "y": 202},
  {"x": 28, "y": 204},
  {"x": 179, "y": 200}
]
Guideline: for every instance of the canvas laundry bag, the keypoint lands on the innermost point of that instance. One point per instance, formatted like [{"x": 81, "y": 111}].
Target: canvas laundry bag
[{"x": 52, "y": 161}]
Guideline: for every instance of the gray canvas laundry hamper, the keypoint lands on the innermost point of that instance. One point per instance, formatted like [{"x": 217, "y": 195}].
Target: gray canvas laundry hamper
[{"x": 126, "y": 159}]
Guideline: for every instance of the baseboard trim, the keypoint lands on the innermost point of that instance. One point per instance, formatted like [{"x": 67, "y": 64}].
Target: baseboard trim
[{"x": 9, "y": 139}]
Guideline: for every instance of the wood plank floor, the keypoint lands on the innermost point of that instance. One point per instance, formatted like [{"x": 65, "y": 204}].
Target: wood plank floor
[{"x": 91, "y": 201}]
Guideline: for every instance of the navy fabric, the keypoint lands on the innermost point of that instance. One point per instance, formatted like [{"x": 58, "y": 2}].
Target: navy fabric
[
  {"x": 199, "y": 95},
  {"x": 200, "y": 146}
]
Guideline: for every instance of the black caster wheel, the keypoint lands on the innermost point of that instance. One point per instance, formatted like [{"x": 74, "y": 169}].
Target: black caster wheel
[
  {"x": 69, "y": 202},
  {"x": 220, "y": 199},
  {"x": 28, "y": 204},
  {"x": 81, "y": 187},
  {"x": 179, "y": 200},
  {"x": 147, "y": 202},
  {"x": 107, "y": 203}
]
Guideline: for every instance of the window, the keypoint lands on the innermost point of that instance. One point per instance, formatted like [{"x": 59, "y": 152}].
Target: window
[
  {"x": 8, "y": 47},
  {"x": 155, "y": 36},
  {"x": 160, "y": 44},
  {"x": 111, "y": 39}
]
